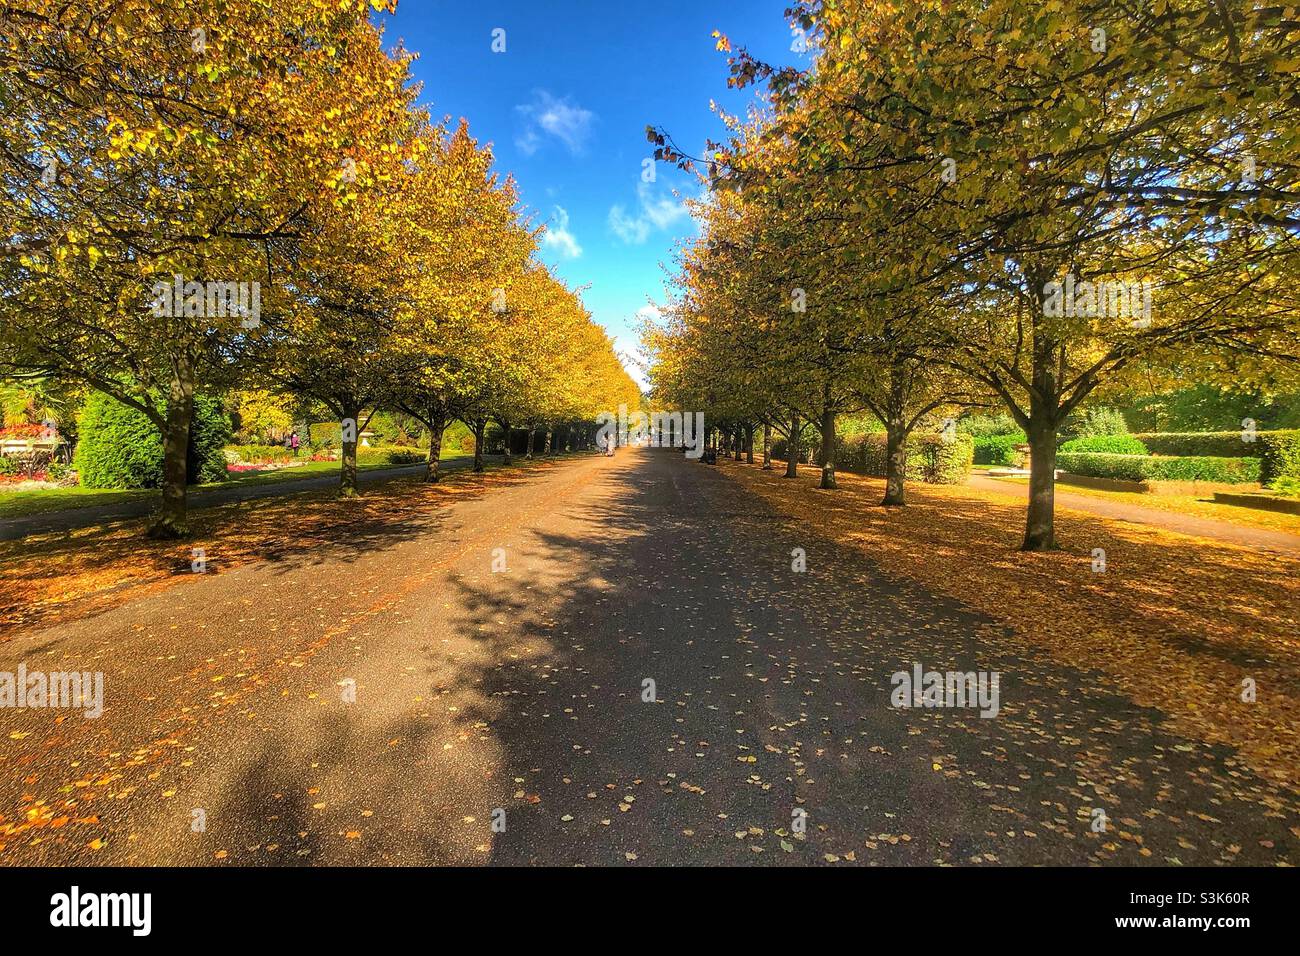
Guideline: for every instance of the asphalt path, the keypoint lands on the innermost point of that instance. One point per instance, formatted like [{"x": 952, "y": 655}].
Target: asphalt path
[{"x": 474, "y": 688}]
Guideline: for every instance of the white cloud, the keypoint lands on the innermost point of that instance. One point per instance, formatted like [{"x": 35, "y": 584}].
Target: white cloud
[
  {"x": 654, "y": 212},
  {"x": 558, "y": 237},
  {"x": 548, "y": 116}
]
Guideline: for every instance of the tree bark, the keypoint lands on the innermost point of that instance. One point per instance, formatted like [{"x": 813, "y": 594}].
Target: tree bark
[
  {"x": 767, "y": 446},
  {"x": 546, "y": 446},
  {"x": 1040, "y": 532},
  {"x": 792, "y": 448},
  {"x": 348, "y": 470},
  {"x": 480, "y": 426},
  {"x": 171, "y": 521},
  {"x": 438, "y": 423},
  {"x": 749, "y": 444},
  {"x": 532, "y": 431},
  {"x": 828, "y": 448},
  {"x": 895, "y": 462},
  {"x": 739, "y": 441},
  {"x": 505, "y": 448}
]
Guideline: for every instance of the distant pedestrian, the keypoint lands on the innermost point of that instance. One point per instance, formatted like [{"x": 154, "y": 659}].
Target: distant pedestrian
[
  {"x": 609, "y": 446},
  {"x": 294, "y": 443}
]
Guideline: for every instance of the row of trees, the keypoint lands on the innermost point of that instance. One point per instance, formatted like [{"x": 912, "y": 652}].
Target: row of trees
[
  {"x": 992, "y": 202},
  {"x": 157, "y": 158}
]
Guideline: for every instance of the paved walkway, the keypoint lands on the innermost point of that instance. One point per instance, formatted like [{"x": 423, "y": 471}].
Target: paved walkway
[{"x": 607, "y": 662}]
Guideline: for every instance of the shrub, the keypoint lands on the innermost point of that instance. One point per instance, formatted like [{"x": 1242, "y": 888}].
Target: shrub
[
  {"x": 1153, "y": 468},
  {"x": 120, "y": 447},
  {"x": 325, "y": 434},
  {"x": 998, "y": 449},
  {"x": 981, "y": 426},
  {"x": 1287, "y": 486},
  {"x": 1280, "y": 455},
  {"x": 1094, "y": 422},
  {"x": 1106, "y": 444},
  {"x": 210, "y": 430},
  {"x": 8, "y": 467},
  {"x": 384, "y": 455}
]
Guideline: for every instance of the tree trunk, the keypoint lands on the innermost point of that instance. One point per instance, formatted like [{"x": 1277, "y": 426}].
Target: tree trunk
[
  {"x": 348, "y": 468},
  {"x": 895, "y": 463},
  {"x": 546, "y": 445},
  {"x": 532, "y": 431},
  {"x": 480, "y": 426},
  {"x": 171, "y": 520},
  {"x": 505, "y": 448},
  {"x": 740, "y": 441},
  {"x": 767, "y": 446},
  {"x": 792, "y": 448},
  {"x": 828, "y": 448},
  {"x": 1040, "y": 533},
  {"x": 749, "y": 444},
  {"x": 439, "y": 424}
]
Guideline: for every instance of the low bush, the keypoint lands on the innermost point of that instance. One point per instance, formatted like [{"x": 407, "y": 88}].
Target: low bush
[
  {"x": 1106, "y": 444},
  {"x": 388, "y": 455},
  {"x": 8, "y": 467},
  {"x": 406, "y": 457},
  {"x": 1160, "y": 468},
  {"x": 1289, "y": 487},
  {"x": 998, "y": 449}
]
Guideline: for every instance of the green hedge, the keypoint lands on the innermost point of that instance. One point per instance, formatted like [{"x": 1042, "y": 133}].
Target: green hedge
[
  {"x": 1215, "y": 444},
  {"x": 998, "y": 449},
  {"x": 1146, "y": 468},
  {"x": 119, "y": 447},
  {"x": 1106, "y": 444},
  {"x": 1280, "y": 455}
]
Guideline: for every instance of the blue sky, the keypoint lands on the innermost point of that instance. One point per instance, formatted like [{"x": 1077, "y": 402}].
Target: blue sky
[{"x": 565, "y": 108}]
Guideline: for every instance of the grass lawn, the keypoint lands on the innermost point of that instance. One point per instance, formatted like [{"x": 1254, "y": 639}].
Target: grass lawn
[
  {"x": 19, "y": 504},
  {"x": 1177, "y": 504}
]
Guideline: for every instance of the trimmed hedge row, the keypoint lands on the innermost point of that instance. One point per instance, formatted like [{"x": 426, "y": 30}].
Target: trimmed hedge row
[
  {"x": 1107, "y": 445},
  {"x": 1146, "y": 468},
  {"x": 1214, "y": 444}
]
